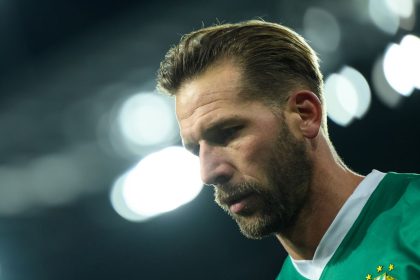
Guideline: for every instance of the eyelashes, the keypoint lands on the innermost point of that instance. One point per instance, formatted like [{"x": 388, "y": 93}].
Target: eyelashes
[{"x": 218, "y": 137}]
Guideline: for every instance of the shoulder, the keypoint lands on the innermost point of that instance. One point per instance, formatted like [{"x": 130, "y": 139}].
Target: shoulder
[
  {"x": 407, "y": 220},
  {"x": 406, "y": 184}
]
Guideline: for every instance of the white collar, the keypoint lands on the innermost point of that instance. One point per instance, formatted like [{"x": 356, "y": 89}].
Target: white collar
[{"x": 312, "y": 269}]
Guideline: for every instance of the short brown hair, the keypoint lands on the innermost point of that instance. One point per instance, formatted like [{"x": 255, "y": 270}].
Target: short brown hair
[{"x": 274, "y": 59}]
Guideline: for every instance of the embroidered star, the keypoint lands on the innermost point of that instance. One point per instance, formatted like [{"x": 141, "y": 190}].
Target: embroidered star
[
  {"x": 379, "y": 268},
  {"x": 368, "y": 277},
  {"x": 391, "y": 267}
]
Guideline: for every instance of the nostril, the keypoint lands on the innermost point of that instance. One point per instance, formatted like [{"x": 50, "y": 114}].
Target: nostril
[
  {"x": 219, "y": 180},
  {"x": 222, "y": 179}
]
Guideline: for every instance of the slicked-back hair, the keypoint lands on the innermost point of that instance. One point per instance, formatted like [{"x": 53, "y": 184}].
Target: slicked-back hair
[{"x": 273, "y": 59}]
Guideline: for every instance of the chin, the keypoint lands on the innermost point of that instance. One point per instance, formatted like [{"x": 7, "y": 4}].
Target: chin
[{"x": 257, "y": 227}]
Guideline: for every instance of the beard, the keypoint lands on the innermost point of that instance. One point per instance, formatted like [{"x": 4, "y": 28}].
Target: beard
[{"x": 288, "y": 173}]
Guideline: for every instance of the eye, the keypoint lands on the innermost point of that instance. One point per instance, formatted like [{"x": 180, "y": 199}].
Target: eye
[{"x": 226, "y": 134}]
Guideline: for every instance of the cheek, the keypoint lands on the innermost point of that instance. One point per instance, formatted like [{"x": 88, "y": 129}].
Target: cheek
[{"x": 253, "y": 156}]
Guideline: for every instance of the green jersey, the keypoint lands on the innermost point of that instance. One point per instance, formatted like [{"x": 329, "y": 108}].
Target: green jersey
[{"x": 383, "y": 243}]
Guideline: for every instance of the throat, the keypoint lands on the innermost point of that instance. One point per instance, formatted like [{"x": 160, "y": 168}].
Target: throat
[
  {"x": 298, "y": 249},
  {"x": 302, "y": 239}
]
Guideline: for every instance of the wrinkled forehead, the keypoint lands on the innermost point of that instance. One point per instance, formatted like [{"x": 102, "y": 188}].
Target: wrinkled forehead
[
  {"x": 189, "y": 97},
  {"x": 193, "y": 102},
  {"x": 221, "y": 83}
]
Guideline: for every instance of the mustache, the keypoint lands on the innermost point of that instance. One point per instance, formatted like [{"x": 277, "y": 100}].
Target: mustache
[{"x": 228, "y": 194}]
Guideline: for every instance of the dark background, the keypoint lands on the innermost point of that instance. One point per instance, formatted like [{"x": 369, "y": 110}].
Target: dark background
[{"x": 64, "y": 64}]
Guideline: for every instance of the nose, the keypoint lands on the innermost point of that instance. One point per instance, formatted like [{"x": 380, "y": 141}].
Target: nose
[{"x": 215, "y": 166}]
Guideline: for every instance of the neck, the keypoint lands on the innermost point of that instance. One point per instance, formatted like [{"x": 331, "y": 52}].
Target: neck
[{"x": 331, "y": 185}]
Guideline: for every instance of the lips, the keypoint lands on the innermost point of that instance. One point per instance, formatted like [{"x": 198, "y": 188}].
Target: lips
[{"x": 238, "y": 204}]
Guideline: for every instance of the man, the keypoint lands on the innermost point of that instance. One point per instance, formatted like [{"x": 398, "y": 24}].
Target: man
[{"x": 249, "y": 103}]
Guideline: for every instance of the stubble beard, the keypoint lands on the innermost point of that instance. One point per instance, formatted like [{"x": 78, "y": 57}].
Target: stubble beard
[{"x": 289, "y": 172}]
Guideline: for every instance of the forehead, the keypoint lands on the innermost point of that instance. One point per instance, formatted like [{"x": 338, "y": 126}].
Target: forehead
[{"x": 220, "y": 85}]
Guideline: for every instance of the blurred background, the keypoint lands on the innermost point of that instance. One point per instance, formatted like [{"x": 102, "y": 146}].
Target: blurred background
[{"x": 93, "y": 183}]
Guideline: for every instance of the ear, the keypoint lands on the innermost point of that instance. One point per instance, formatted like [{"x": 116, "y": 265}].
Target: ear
[{"x": 309, "y": 109}]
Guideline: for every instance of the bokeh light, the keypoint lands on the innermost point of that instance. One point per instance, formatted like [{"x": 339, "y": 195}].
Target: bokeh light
[
  {"x": 119, "y": 204},
  {"x": 138, "y": 125},
  {"x": 383, "y": 17},
  {"x": 362, "y": 89},
  {"x": 50, "y": 180},
  {"x": 402, "y": 8},
  {"x": 332, "y": 88},
  {"x": 385, "y": 93},
  {"x": 347, "y": 95},
  {"x": 161, "y": 182},
  {"x": 411, "y": 46},
  {"x": 402, "y": 65},
  {"x": 322, "y": 29},
  {"x": 394, "y": 61},
  {"x": 146, "y": 119},
  {"x": 389, "y": 15}
]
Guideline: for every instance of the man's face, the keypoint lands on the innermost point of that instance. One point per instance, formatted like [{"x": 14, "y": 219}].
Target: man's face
[{"x": 260, "y": 170}]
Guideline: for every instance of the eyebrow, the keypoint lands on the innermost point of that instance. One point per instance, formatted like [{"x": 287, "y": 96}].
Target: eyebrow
[
  {"x": 222, "y": 123},
  {"x": 213, "y": 127}
]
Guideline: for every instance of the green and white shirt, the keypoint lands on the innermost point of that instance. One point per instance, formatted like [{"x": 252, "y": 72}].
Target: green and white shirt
[{"x": 375, "y": 236}]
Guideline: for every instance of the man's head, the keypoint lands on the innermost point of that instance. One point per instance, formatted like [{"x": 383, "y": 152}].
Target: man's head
[
  {"x": 274, "y": 60},
  {"x": 248, "y": 104}
]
